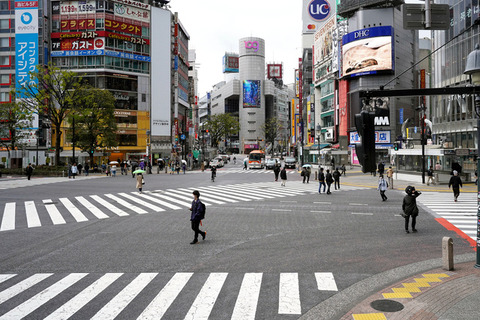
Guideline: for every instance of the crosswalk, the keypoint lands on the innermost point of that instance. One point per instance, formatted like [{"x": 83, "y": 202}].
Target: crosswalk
[
  {"x": 32, "y": 214},
  {"x": 250, "y": 171},
  {"x": 462, "y": 214},
  {"x": 153, "y": 295}
]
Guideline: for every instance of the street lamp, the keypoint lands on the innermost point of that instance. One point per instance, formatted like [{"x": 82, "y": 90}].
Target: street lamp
[
  {"x": 472, "y": 68},
  {"x": 422, "y": 137}
]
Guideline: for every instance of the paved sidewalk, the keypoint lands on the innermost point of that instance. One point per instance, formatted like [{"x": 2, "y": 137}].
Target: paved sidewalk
[
  {"x": 417, "y": 291},
  {"x": 11, "y": 182}
]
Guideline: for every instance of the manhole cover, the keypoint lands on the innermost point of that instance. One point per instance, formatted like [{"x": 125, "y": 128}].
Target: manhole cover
[{"x": 386, "y": 305}]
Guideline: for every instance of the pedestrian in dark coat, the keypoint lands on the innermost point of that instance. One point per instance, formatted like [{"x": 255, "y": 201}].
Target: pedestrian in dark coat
[
  {"x": 276, "y": 171},
  {"x": 304, "y": 174},
  {"x": 381, "y": 168},
  {"x": 87, "y": 167},
  {"x": 283, "y": 176},
  {"x": 29, "y": 171},
  {"x": 196, "y": 217},
  {"x": 455, "y": 182},
  {"x": 409, "y": 207},
  {"x": 321, "y": 180},
  {"x": 309, "y": 172},
  {"x": 336, "y": 177},
  {"x": 328, "y": 180},
  {"x": 344, "y": 170}
]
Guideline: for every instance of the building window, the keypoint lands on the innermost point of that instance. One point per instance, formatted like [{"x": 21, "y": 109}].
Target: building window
[
  {"x": 144, "y": 97},
  {"x": 4, "y": 6},
  {"x": 4, "y": 97},
  {"x": 4, "y": 61},
  {"x": 5, "y": 44},
  {"x": 5, "y": 79},
  {"x": 4, "y": 24}
]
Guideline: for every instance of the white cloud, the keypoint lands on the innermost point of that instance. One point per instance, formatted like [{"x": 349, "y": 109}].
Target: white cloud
[{"x": 215, "y": 26}]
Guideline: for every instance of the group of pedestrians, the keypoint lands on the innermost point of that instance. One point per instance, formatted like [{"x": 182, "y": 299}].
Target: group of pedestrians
[{"x": 326, "y": 179}]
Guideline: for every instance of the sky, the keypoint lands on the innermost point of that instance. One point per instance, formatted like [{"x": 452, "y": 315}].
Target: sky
[{"x": 215, "y": 27}]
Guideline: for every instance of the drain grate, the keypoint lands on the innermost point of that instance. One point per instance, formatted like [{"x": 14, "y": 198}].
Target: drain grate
[{"x": 386, "y": 305}]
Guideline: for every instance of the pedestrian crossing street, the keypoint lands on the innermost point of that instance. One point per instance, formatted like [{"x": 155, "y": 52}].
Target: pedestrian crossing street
[
  {"x": 184, "y": 295},
  {"x": 32, "y": 214},
  {"x": 462, "y": 214}
]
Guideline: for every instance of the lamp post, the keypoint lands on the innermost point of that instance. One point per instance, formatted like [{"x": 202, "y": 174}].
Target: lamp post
[
  {"x": 473, "y": 69},
  {"x": 422, "y": 139}
]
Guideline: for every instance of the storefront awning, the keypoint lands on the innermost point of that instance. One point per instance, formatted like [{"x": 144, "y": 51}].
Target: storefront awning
[{"x": 316, "y": 146}]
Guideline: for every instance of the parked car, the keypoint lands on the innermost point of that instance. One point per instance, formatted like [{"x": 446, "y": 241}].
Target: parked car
[
  {"x": 271, "y": 163},
  {"x": 220, "y": 162},
  {"x": 224, "y": 157},
  {"x": 290, "y": 163},
  {"x": 214, "y": 163}
]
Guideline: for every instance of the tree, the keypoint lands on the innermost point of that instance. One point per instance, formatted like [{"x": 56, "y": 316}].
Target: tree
[
  {"x": 56, "y": 92},
  {"x": 95, "y": 125},
  {"x": 221, "y": 126},
  {"x": 14, "y": 123},
  {"x": 272, "y": 128}
]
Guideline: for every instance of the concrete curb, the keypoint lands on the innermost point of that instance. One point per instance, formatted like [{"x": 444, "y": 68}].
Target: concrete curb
[{"x": 341, "y": 303}]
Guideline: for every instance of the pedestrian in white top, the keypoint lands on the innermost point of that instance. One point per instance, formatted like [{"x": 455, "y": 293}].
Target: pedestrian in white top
[
  {"x": 382, "y": 187},
  {"x": 74, "y": 170}
]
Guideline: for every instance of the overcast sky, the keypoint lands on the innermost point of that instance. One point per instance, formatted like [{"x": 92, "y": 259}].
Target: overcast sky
[{"x": 215, "y": 26}]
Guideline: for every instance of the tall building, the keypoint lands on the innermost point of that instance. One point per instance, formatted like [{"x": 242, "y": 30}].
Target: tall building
[{"x": 454, "y": 117}]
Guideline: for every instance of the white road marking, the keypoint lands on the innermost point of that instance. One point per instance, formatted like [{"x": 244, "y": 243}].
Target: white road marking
[
  {"x": 8, "y": 220},
  {"x": 109, "y": 206},
  {"x": 203, "y": 304},
  {"x": 22, "y": 286},
  {"x": 53, "y": 212},
  {"x": 141, "y": 202},
  {"x": 247, "y": 300},
  {"x": 94, "y": 210},
  {"x": 289, "y": 294},
  {"x": 126, "y": 204},
  {"x": 33, "y": 220},
  {"x": 326, "y": 281},
  {"x": 74, "y": 211}
]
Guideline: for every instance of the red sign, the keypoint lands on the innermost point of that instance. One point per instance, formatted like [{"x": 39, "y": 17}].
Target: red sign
[
  {"x": 82, "y": 44},
  {"x": 77, "y": 24},
  {"x": 26, "y": 4},
  {"x": 123, "y": 27},
  {"x": 95, "y": 34}
]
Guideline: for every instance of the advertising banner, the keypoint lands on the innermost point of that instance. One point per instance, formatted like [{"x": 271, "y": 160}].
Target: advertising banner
[
  {"x": 123, "y": 27},
  {"x": 230, "y": 63},
  {"x": 135, "y": 13},
  {"x": 26, "y": 42},
  {"x": 76, "y": 7},
  {"x": 95, "y": 34},
  {"x": 323, "y": 41},
  {"x": 367, "y": 51},
  {"x": 77, "y": 24},
  {"x": 381, "y": 137},
  {"x": 82, "y": 44},
  {"x": 251, "y": 93},
  {"x": 315, "y": 13},
  {"x": 274, "y": 71}
]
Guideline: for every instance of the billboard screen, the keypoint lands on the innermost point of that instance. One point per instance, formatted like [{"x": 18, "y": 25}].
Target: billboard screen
[
  {"x": 230, "y": 63},
  {"x": 251, "y": 94},
  {"x": 274, "y": 71},
  {"x": 367, "y": 51}
]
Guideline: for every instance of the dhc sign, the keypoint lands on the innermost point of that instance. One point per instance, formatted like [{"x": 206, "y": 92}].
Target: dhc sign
[{"x": 319, "y": 9}]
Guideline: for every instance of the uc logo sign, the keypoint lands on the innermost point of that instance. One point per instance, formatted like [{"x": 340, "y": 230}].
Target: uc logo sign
[
  {"x": 26, "y": 18},
  {"x": 319, "y": 9}
]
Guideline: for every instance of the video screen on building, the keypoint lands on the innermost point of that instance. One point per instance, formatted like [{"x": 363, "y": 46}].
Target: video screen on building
[
  {"x": 367, "y": 51},
  {"x": 251, "y": 93}
]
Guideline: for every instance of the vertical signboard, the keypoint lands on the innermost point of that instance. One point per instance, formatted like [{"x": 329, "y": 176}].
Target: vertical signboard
[{"x": 26, "y": 43}]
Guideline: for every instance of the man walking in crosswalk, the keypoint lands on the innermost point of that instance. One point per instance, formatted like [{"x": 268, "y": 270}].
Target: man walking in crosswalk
[
  {"x": 198, "y": 213},
  {"x": 455, "y": 182}
]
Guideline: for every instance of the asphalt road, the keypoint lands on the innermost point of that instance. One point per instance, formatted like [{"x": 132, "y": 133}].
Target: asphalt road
[{"x": 351, "y": 234}]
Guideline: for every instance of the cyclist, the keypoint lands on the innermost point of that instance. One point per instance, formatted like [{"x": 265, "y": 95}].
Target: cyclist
[{"x": 214, "y": 172}]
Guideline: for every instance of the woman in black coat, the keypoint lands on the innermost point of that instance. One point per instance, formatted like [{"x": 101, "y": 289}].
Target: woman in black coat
[
  {"x": 283, "y": 176},
  {"x": 409, "y": 207}
]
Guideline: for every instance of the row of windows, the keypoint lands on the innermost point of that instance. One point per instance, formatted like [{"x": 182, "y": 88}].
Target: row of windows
[
  {"x": 101, "y": 61},
  {"x": 128, "y": 46}
]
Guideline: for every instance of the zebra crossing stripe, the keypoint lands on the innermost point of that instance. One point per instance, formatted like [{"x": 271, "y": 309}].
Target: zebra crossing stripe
[
  {"x": 109, "y": 206},
  {"x": 76, "y": 303},
  {"x": 126, "y": 204},
  {"x": 8, "y": 220},
  {"x": 185, "y": 204},
  {"x": 76, "y": 214},
  {"x": 259, "y": 192},
  {"x": 141, "y": 202},
  {"x": 160, "y": 304},
  {"x": 90, "y": 207},
  {"x": 246, "y": 190},
  {"x": 33, "y": 220},
  {"x": 326, "y": 281},
  {"x": 175, "y": 193},
  {"x": 245, "y": 195},
  {"x": 121, "y": 300},
  {"x": 289, "y": 294},
  {"x": 247, "y": 300},
  {"x": 189, "y": 191},
  {"x": 22, "y": 286},
  {"x": 163, "y": 203},
  {"x": 215, "y": 196},
  {"x": 43, "y": 297},
  {"x": 53, "y": 212},
  {"x": 203, "y": 304},
  {"x": 209, "y": 197},
  {"x": 224, "y": 197},
  {"x": 5, "y": 277}
]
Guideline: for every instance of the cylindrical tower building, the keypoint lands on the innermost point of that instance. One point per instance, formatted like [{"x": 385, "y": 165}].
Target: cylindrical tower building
[{"x": 252, "y": 96}]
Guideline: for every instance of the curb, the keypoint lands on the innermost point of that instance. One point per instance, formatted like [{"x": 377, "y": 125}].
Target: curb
[{"x": 341, "y": 303}]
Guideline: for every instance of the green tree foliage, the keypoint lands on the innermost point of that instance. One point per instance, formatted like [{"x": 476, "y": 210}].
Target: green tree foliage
[
  {"x": 272, "y": 129},
  {"x": 56, "y": 93},
  {"x": 14, "y": 121},
  {"x": 222, "y": 126},
  {"x": 94, "y": 118}
]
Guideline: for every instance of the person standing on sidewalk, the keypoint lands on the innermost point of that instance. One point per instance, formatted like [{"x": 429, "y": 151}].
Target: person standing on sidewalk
[
  {"x": 336, "y": 177},
  {"x": 390, "y": 177},
  {"x": 455, "y": 182},
  {"x": 29, "y": 171},
  {"x": 87, "y": 167},
  {"x": 283, "y": 176},
  {"x": 198, "y": 213},
  {"x": 328, "y": 180},
  {"x": 430, "y": 176},
  {"x": 409, "y": 207},
  {"x": 321, "y": 181},
  {"x": 382, "y": 187}
]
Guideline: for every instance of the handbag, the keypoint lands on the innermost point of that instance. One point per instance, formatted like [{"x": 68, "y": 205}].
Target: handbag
[
  {"x": 403, "y": 214},
  {"x": 143, "y": 181}
]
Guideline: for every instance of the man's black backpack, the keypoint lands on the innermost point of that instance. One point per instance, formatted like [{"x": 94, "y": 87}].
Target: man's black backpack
[{"x": 202, "y": 210}]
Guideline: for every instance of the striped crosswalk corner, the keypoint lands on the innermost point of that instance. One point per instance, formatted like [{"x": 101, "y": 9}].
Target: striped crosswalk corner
[{"x": 369, "y": 316}]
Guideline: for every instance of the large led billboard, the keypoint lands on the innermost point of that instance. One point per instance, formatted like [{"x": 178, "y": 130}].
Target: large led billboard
[
  {"x": 368, "y": 51},
  {"x": 230, "y": 63},
  {"x": 251, "y": 93}
]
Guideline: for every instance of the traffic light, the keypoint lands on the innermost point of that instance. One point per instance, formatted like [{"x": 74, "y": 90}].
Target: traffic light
[
  {"x": 365, "y": 150},
  {"x": 396, "y": 146}
]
